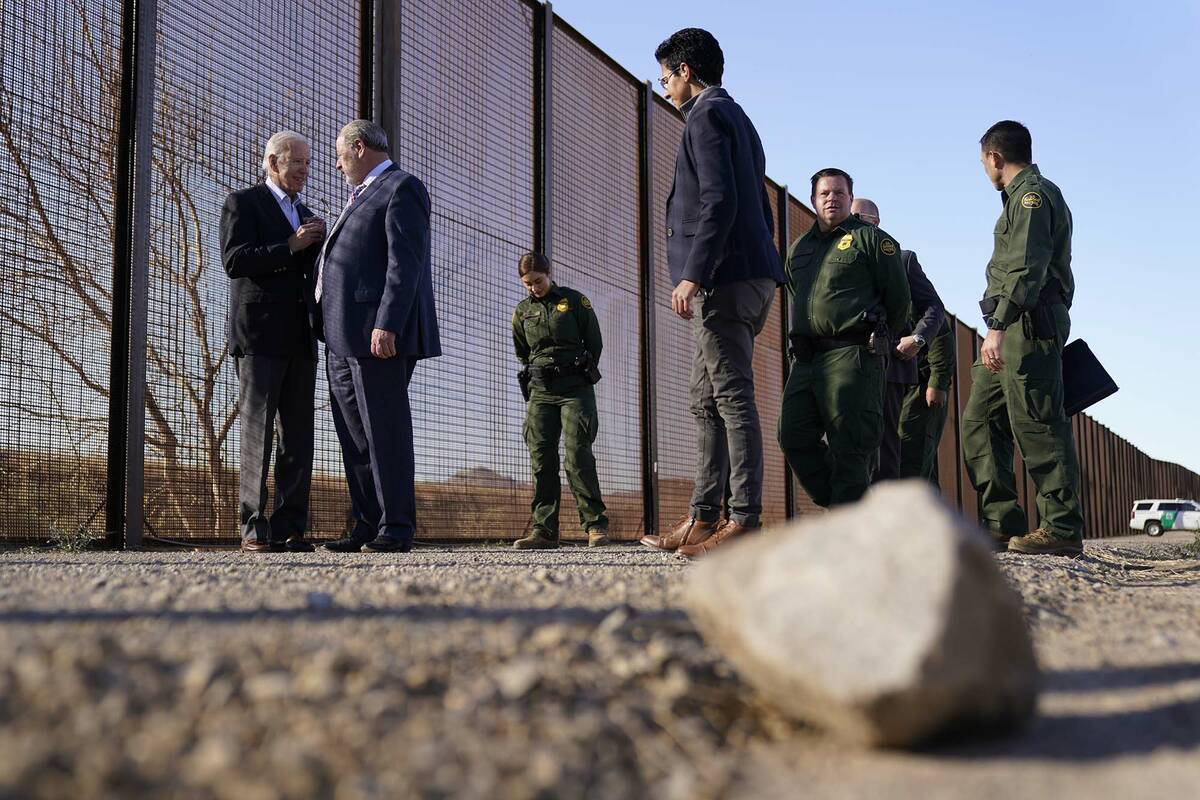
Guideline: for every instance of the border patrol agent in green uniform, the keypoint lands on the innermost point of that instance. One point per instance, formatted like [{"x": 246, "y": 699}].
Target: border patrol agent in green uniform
[
  {"x": 1017, "y": 383},
  {"x": 923, "y": 410},
  {"x": 850, "y": 297},
  {"x": 557, "y": 339}
]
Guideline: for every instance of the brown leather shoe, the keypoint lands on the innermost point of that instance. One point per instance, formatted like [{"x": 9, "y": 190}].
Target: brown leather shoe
[
  {"x": 728, "y": 531},
  {"x": 687, "y": 530},
  {"x": 255, "y": 546}
]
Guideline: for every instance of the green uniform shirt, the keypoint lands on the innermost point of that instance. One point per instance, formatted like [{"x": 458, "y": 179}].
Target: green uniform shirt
[
  {"x": 1033, "y": 244},
  {"x": 834, "y": 277},
  {"x": 556, "y": 329}
]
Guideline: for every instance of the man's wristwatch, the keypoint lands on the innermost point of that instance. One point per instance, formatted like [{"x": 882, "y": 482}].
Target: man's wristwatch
[
  {"x": 919, "y": 339},
  {"x": 994, "y": 324}
]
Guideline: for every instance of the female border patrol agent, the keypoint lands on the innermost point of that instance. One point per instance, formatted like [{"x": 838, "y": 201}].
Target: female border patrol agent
[{"x": 557, "y": 339}]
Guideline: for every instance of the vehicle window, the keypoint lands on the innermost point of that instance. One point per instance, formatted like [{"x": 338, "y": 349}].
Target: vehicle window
[
  {"x": 1171, "y": 507},
  {"x": 1144, "y": 506}
]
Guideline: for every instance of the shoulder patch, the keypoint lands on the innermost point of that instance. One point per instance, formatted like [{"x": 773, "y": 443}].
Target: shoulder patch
[
  {"x": 888, "y": 247},
  {"x": 563, "y": 305},
  {"x": 1031, "y": 200},
  {"x": 845, "y": 242},
  {"x": 583, "y": 301}
]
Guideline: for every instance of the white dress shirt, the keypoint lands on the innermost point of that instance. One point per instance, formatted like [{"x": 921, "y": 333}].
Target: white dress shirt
[
  {"x": 287, "y": 203},
  {"x": 375, "y": 173}
]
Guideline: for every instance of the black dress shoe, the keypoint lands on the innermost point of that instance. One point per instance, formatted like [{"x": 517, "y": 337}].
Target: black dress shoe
[
  {"x": 256, "y": 546},
  {"x": 386, "y": 544},
  {"x": 350, "y": 544},
  {"x": 298, "y": 544}
]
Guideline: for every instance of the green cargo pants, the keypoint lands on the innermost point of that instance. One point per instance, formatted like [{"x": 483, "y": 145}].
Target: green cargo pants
[
  {"x": 839, "y": 396},
  {"x": 1024, "y": 399},
  {"x": 572, "y": 414},
  {"x": 920, "y": 435}
]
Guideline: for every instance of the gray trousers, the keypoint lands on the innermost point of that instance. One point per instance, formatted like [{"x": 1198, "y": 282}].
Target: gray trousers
[
  {"x": 729, "y": 437},
  {"x": 276, "y": 393}
]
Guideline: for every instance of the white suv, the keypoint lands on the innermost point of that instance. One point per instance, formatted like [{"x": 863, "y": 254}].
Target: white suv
[{"x": 1155, "y": 516}]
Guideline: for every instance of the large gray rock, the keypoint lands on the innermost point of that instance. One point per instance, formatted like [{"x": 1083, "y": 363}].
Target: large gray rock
[{"x": 885, "y": 622}]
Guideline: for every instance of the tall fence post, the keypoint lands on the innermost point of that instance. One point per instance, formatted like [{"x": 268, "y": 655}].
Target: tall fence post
[
  {"x": 384, "y": 67},
  {"x": 125, "y": 478},
  {"x": 368, "y": 64},
  {"x": 784, "y": 236},
  {"x": 646, "y": 232},
  {"x": 543, "y": 130}
]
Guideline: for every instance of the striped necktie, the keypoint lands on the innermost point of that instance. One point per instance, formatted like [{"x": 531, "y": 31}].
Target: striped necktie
[{"x": 358, "y": 190}]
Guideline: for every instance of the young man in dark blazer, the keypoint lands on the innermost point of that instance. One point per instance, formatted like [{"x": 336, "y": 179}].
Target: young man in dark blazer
[
  {"x": 725, "y": 265},
  {"x": 269, "y": 241},
  {"x": 375, "y": 298}
]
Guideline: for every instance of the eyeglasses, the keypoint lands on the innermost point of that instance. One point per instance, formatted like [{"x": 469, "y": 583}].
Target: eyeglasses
[{"x": 663, "y": 80}]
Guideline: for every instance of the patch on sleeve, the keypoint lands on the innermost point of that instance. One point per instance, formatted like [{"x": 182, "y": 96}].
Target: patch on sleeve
[
  {"x": 583, "y": 301},
  {"x": 1031, "y": 200},
  {"x": 888, "y": 247},
  {"x": 845, "y": 243},
  {"x": 563, "y": 305}
]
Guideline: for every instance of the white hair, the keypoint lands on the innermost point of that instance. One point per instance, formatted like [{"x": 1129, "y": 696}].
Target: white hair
[{"x": 279, "y": 144}]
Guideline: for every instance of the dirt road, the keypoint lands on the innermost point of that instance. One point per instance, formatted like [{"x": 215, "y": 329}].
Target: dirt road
[{"x": 484, "y": 672}]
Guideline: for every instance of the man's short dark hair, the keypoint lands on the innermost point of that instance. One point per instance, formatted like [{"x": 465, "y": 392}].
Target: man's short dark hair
[
  {"x": 1011, "y": 140},
  {"x": 831, "y": 172},
  {"x": 698, "y": 49}
]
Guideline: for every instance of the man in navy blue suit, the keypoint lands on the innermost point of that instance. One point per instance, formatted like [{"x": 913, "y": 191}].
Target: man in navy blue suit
[
  {"x": 374, "y": 292},
  {"x": 726, "y": 268}
]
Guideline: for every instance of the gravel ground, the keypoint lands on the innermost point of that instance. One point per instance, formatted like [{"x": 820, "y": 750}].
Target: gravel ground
[{"x": 485, "y": 672}]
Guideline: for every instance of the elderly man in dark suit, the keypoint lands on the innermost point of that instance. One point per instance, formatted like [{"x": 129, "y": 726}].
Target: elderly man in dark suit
[
  {"x": 269, "y": 241},
  {"x": 926, "y": 317},
  {"x": 375, "y": 298},
  {"x": 726, "y": 267}
]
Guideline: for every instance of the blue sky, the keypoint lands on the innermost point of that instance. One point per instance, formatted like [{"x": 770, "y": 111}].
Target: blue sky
[{"x": 898, "y": 95}]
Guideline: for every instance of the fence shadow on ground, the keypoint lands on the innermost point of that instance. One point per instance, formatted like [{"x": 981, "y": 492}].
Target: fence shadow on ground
[{"x": 1144, "y": 724}]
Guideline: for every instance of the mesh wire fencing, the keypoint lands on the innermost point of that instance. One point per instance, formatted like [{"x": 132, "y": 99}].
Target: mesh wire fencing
[
  {"x": 467, "y": 127},
  {"x": 595, "y": 247},
  {"x": 212, "y": 119},
  {"x": 60, "y": 85}
]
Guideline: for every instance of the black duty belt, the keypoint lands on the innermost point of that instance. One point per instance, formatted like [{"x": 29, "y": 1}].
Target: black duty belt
[
  {"x": 1051, "y": 295},
  {"x": 803, "y": 347},
  {"x": 551, "y": 371}
]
